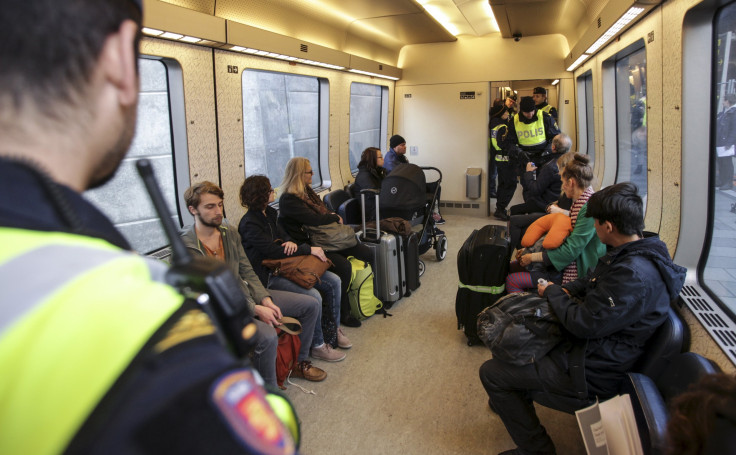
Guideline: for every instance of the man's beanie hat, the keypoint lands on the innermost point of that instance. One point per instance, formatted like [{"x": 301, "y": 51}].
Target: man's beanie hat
[
  {"x": 396, "y": 140},
  {"x": 497, "y": 110},
  {"x": 527, "y": 104},
  {"x": 540, "y": 91}
]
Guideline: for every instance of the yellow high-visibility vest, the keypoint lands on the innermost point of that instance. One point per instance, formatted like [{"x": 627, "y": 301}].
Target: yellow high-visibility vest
[
  {"x": 529, "y": 135},
  {"x": 79, "y": 311}
]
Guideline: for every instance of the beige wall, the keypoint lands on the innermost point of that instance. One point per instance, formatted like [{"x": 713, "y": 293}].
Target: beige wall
[{"x": 450, "y": 133}]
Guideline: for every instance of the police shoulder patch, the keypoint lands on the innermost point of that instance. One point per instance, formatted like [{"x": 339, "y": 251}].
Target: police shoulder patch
[{"x": 240, "y": 400}]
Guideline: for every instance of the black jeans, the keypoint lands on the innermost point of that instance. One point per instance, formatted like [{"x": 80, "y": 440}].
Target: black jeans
[
  {"x": 509, "y": 386},
  {"x": 507, "y": 182}
]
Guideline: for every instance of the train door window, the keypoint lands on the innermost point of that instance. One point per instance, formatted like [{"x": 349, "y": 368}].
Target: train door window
[
  {"x": 631, "y": 113},
  {"x": 719, "y": 274},
  {"x": 631, "y": 118},
  {"x": 160, "y": 131},
  {"x": 585, "y": 115},
  {"x": 282, "y": 118},
  {"x": 368, "y": 119}
]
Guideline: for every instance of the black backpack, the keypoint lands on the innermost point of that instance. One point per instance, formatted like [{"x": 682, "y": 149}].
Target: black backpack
[{"x": 520, "y": 328}]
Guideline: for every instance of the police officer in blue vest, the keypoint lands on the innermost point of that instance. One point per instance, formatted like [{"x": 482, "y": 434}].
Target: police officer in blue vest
[
  {"x": 533, "y": 130},
  {"x": 97, "y": 353}
]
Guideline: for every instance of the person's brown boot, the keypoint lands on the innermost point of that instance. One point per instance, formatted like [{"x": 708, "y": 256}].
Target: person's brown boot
[{"x": 306, "y": 370}]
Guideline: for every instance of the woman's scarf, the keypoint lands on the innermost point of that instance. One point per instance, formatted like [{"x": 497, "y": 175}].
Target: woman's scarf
[
  {"x": 314, "y": 202},
  {"x": 570, "y": 273}
]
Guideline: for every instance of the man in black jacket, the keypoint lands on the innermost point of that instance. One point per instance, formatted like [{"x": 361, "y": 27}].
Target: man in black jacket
[
  {"x": 542, "y": 186},
  {"x": 610, "y": 314}
]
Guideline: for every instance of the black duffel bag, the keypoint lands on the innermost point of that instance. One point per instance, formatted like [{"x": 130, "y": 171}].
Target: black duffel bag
[{"x": 520, "y": 328}]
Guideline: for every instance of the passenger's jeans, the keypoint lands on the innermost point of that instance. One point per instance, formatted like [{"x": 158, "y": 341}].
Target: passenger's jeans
[
  {"x": 306, "y": 309},
  {"x": 329, "y": 287},
  {"x": 508, "y": 387}
]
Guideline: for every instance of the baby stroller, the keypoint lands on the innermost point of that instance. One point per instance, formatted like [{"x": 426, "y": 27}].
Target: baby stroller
[{"x": 404, "y": 195}]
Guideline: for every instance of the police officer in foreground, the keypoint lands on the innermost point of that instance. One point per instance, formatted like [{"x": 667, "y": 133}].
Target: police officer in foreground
[
  {"x": 533, "y": 130},
  {"x": 97, "y": 354}
]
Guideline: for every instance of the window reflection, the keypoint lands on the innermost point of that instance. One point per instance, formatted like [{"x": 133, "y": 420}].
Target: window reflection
[
  {"x": 720, "y": 270},
  {"x": 631, "y": 113},
  {"x": 280, "y": 121},
  {"x": 366, "y": 119},
  {"x": 138, "y": 221}
]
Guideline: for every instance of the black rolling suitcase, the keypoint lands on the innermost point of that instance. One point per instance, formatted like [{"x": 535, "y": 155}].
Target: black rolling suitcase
[
  {"x": 387, "y": 258},
  {"x": 482, "y": 265}
]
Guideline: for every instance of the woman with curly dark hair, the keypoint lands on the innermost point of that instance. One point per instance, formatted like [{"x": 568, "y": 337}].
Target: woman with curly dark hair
[
  {"x": 370, "y": 175},
  {"x": 263, "y": 239},
  {"x": 703, "y": 419}
]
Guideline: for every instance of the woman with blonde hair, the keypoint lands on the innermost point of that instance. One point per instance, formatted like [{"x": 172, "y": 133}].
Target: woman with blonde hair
[
  {"x": 299, "y": 205},
  {"x": 580, "y": 250}
]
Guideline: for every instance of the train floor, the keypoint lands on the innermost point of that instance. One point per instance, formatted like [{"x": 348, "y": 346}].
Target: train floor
[{"x": 409, "y": 384}]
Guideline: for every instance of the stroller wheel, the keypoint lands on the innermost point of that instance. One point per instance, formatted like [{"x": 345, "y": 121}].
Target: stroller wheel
[
  {"x": 441, "y": 247},
  {"x": 421, "y": 267}
]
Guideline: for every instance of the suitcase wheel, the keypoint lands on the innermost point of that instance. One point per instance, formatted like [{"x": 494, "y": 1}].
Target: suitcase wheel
[
  {"x": 421, "y": 267},
  {"x": 441, "y": 247}
]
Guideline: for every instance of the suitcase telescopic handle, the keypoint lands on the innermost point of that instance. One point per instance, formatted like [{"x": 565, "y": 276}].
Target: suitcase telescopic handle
[{"x": 362, "y": 206}]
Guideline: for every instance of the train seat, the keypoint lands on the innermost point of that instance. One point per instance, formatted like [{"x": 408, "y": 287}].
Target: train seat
[
  {"x": 335, "y": 198},
  {"x": 350, "y": 211},
  {"x": 650, "y": 399}
]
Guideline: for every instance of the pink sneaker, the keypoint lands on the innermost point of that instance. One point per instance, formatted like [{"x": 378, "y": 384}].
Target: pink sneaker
[{"x": 342, "y": 340}]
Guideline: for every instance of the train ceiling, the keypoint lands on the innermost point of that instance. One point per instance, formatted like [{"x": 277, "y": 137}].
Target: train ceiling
[{"x": 388, "y": 25}]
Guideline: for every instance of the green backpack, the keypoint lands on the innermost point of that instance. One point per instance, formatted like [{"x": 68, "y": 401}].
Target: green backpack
[{"x": 363, "y": 302}]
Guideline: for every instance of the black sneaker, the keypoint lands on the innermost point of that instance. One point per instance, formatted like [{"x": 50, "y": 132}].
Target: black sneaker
[
  {"x": 501, "y": 215},
  {"x": 438, "y": 218}
]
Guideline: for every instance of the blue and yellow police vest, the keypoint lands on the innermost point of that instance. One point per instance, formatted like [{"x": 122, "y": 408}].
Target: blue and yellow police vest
[
  {"x": 494, "y": 143},
  {"x": 61, "y": 295},
  {"x": 74, "y": 313},
  {"x": 532, "y": 134}
]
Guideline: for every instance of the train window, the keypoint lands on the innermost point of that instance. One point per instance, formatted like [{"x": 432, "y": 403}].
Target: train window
[
  {"x": 631, "y": 119},
  {"x": 718, "y": 273},
  {"x": 124, "y": 198},
  {"x": 282, "y": 119},
  {"x": 368, "y": 119},
  {"x": 585, "y": 115}
]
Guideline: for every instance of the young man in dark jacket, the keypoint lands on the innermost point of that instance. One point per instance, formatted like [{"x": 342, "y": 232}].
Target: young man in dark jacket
[{"x": 610, "y": 314}]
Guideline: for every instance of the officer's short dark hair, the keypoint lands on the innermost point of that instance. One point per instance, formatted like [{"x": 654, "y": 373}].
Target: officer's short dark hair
[
  {"x": 50, "y": 47},
  {"x": 621, "y": 205}
]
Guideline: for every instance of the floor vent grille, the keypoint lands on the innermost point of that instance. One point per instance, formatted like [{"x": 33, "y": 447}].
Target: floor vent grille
[{"x": 715, "y": 320}]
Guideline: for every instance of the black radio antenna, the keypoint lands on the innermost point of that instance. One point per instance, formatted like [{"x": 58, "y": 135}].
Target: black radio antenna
[{"x": 180, "y": 255}]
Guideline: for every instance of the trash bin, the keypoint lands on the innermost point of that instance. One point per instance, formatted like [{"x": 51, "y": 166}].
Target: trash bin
[{"x": 472, "y": 182}]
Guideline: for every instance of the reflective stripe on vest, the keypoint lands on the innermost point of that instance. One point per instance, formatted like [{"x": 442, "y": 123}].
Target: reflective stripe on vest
[
  {"x": 530, "y": 134},
  {"x": 494, "y": 134},
  {"x": 547, "y": 109},
  {"x": 84, "y": 309}
]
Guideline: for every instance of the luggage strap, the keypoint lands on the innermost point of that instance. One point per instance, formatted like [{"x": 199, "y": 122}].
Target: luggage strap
[{"x": 483, "y": 289}]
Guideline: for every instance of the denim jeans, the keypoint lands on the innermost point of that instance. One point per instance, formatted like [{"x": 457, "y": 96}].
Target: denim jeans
[{"x": 329, "y": 287}]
